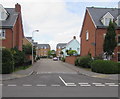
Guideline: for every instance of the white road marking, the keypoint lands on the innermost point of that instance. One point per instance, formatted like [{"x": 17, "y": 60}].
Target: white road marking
[
  {"x": 62, "y": 80},
  {"x": 12, "y": 85},
  {"x": 113, "y": 85},
  {"x": 27, "y": 85},
  {"x": 82, "y": 83},
  {"x": 71, "y": 85},
  {"x": 86, "y": 85},
  {"x": 96, "y": 83},
  {"x": 55, "y": 85},
  {"x": 40, "y": 85},
  {"x": 99, "y": 85},
  {"x": 67, "y": 84}
]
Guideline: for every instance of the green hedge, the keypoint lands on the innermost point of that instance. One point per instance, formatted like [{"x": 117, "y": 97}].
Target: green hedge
[
  {"x": 7, "y": 61},
  {"x": 84, "y": 61},
  {"x": 105, "y": 67}
]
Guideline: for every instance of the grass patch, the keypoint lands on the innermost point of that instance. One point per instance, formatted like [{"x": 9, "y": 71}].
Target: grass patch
[{"x": 22, "y": 68}]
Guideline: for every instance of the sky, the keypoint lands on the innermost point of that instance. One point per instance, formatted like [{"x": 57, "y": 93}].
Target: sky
[{"x": 57, "y": 20}]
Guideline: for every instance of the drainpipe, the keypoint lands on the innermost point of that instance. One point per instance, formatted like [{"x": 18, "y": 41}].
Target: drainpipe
[
  {"x": 95, "y": 41},
  {"x": 12, "y": 38}
]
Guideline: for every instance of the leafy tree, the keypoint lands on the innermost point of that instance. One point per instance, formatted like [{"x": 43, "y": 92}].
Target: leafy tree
[
  {"x": 72, "y": 52},
  {"x": 61, "y": 52},
  {"x": 52, "y": 53},
  {"x": 110, "y": 40},
  {"x": 27, "y": 49}
]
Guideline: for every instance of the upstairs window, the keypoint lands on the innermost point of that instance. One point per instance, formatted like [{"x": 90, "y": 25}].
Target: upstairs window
[
  {"x": 2, "y": 33},
  {"x": 87, "y": 35},
  {"x": 107, "y": 21},
  {"x": 118, "y": 57}
]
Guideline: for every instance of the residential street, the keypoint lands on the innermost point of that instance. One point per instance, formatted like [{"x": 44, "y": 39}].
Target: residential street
[{"x": 55, "y": 79}]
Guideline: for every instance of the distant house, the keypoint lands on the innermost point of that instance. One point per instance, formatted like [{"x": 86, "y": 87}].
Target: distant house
[
  {"x": 72, "y": 45},
  {"x": 11, "y": 28},
  {"x": 94, "y": 29},
  {"x": 26, "y": 41},
  {"x": 43, "y": 49},
  {"x": 59, "y": 48}
]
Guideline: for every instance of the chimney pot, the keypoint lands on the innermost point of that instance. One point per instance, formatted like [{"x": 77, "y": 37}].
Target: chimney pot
[
  {"x": 74, "y": 37},
  {"x": 17, "y": 8}
]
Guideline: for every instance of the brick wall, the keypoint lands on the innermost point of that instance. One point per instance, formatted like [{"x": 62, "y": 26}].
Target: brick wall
[{"x": 70, "y": 59}]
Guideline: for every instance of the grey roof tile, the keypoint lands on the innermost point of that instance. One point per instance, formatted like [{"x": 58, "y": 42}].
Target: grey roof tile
[
  {"x": 9, "y": 23},
  {"x": 43, "y": 46},
  {"x": 61, "y": 45},
  {"x": 98, "y": 13}
]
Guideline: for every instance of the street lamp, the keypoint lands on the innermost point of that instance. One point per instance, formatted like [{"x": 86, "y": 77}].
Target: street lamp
[{"x": 32, "y": 45}]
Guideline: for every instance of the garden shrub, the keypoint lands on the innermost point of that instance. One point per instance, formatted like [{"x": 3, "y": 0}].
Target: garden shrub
[
  {"x": 7, "y": 61},
  {"x": 105, "y": 66},
  {"x": 63, "y": 59},
  {"x": 84, "y": 61}
]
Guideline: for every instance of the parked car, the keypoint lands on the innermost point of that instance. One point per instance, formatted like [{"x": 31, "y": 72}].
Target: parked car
[{"x": 55, "y": 59}]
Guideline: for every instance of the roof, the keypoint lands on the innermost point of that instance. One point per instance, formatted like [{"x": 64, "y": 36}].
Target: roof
[
  {"x": 43, "y": 46},
  {"x": 61, "y": 45},
  {"x": 9, "y": 23},
  {"x": 98, "y": 13}
]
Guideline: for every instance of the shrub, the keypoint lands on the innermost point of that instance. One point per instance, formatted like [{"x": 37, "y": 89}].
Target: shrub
[
  {"x": 72, "y": 52},
  {"x": 18, "y": 57},
  {"x": 7, "y": 61},
  {"x": 84, "y": 61},
  {"x": 63, "y": 59},
  {"x": 104, "y": 66}
]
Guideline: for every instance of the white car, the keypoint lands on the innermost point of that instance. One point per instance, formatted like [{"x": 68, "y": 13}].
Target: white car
[{"x": 55, "y": 59}]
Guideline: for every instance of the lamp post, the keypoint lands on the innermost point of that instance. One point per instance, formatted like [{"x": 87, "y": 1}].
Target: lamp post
[{"x": 32, "y": 45}]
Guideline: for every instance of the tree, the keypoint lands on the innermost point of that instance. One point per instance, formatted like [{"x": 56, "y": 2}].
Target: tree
[
  {"x": 110, "y": 41},
  {"x": 52, "y": 53},
  {"x": 72, "y": 52}
]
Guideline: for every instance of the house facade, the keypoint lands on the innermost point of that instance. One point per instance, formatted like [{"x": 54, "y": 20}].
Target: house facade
[
  {"x": 59, "y": 48},
  {"x": 11, "y": 28},
  {"x": 94, "y": 29},
  {"x": 72, "y": 45},
  {"x": 43, "y": 50}
]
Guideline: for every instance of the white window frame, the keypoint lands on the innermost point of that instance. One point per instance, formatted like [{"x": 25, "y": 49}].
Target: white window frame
[
  {"x": 1, "y": 33},
  {"x": 87, "y": 35}
]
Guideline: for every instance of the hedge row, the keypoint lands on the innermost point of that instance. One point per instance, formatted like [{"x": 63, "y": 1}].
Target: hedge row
[
  {"x": 97, "y": 65},
  {"x": 105, "y": 66}
]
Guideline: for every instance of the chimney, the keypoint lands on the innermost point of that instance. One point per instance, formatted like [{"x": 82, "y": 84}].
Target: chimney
[
  {"x": 74, "y": 37},
  {"x": 17, "y": 8}
]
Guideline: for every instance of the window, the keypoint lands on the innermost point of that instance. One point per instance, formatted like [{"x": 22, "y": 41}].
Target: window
[
  {"x": 119, "y": 57},
  {"x": 107, "y": 21},
  {"x": 2, "y": 33},
  {"x": 87, "y": 35}
]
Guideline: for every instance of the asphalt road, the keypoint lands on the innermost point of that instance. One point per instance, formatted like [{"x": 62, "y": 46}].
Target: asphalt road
[{"x": 54, "y": 79}]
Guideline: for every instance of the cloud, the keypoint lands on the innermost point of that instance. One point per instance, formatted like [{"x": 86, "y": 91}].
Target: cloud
[{"x": 55, "y": 21}]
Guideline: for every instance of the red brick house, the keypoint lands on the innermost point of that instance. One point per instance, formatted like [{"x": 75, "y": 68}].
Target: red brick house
[
  {"x": 94, "y": 29},
  {"x": 11, "y": 28}
]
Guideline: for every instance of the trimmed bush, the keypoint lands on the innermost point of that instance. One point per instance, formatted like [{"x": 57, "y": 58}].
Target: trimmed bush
[
  {"x": 7, "y": 61},
  {"x": 84, "y": 61},
  {"x": 104, "y": 66}
]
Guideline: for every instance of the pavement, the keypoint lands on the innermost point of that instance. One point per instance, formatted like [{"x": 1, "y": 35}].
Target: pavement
[{"x": 34, "y": 68}]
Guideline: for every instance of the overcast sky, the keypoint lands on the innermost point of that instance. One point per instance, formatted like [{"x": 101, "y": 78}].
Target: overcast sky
[{"x": 57, "y": 20}]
